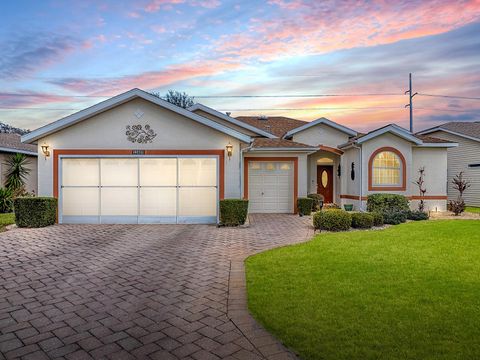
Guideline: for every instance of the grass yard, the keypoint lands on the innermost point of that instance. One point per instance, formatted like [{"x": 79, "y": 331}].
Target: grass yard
[
  {"x": 6, "y": 219},
  {"x": 473, "y": 209},
  {"x": 411, "y": 291}
]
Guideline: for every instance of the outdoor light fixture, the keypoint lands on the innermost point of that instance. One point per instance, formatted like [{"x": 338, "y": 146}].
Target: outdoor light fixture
[
  {"x": 229, "y": 148},
  {"x": 45, "y": 150},
  {"x": 339, "y": 170}
]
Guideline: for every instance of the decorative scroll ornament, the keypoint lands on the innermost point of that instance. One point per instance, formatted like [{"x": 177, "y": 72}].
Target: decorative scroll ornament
[{"x": 137, "y": 134}]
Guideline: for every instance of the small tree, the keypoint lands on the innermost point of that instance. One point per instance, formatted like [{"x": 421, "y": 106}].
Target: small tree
[
  {"x": 421, "y": 188},
  {"x": 461, "y": 185},
  {"x": 17, "y": 173},
  {"x": 181, "y": 99}
]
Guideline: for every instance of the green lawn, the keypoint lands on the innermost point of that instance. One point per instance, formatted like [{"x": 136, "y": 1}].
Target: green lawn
[
  {"x": 472, "y": 209},
  {"x": 6, "y": 219},
  {"x": 411, "y": 291}
]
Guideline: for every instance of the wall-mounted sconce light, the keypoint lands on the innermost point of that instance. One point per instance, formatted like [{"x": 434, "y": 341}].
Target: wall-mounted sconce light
[
  {"x": 45, "y": 150},
  {"x": 339, "y": 170},
  {"x": 352, "y": 172},
  {"x": 229, "y": 148}
]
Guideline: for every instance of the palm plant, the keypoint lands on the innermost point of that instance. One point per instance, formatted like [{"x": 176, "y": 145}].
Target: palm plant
[
  {"x": 17, "y": 172},
  {"x": 6, "y": 201}
]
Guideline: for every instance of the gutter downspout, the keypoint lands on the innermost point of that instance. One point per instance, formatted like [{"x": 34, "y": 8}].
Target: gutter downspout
[{"x": 361, "y": 176}]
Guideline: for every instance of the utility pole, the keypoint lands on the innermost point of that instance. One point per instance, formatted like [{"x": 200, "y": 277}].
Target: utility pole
[{"x": 410, "y": 104}]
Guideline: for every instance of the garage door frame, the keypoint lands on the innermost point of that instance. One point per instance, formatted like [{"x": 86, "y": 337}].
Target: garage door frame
[
  {"x": 247, "y": 159},
  {"x": 68, "y": 153}
]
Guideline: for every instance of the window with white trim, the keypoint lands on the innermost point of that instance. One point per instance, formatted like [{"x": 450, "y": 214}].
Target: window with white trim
[{"x": 387, "y": 169}]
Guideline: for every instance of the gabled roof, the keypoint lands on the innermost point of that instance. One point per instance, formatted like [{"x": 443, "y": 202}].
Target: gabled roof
[
  {"x": 276, "y": 125},
  {"x": 319, "y": 121},
  {"x": 280, "y": 145},
  {"x": 234, "y": 121},
  {"x": 118, "y": 100},
  {"x": 11, "y": 143},
  {"x": 418, "y": 140},
  {"x": 466, "y": 129}
]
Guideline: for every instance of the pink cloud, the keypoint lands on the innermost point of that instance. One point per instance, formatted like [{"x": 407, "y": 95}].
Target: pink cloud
[
  {"x": 158, "y": 29},
  {"x": 29, "y": 98},
  {"x": 155, "y": 5},
  {"x": 133, "y": 15}
]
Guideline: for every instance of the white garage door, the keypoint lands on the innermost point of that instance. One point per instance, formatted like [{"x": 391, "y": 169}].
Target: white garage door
[
  {"x": 139, "y": 190},
  {"x": 270, "y": 187}
]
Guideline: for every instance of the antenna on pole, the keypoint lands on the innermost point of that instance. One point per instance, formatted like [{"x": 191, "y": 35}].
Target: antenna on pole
[{"x": 410, "y": 104}]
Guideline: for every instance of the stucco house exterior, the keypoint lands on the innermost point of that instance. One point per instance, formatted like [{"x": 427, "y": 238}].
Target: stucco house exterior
[
  {"x": 136, "y": 158},
  {"x": 465, "y": 157},
  {"x": 11, "y": 144}
]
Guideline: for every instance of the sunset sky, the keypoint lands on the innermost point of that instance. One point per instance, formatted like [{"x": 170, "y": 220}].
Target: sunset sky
[{"x": 72, "y": 54}]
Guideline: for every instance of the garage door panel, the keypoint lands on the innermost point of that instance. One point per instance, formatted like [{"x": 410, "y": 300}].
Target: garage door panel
[
  {"x": 80, "y": 172},
  {"x": 197, "y": 172},
  {"x": 158, "y": 202},
  {"x": 158, "y": 172},
  {"x": 81, "y": 201},
  {"x": 119, "y": 172},
  {"x": 119, "y": 202},
  {"x": 197, "y": 202}
]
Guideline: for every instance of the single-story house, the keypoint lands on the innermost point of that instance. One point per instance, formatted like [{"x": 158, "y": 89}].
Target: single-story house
[
  {"x": 464, "y": 158},
  {"x": 10, "y": 144},
  {"x": 136, "y": 158}
]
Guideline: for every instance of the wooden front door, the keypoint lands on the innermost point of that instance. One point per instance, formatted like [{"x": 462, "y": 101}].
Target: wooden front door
[{"x": 325, "y": 182}]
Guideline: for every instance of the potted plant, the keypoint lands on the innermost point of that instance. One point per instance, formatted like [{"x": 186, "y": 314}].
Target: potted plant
[{"x": 348, "y": 207}]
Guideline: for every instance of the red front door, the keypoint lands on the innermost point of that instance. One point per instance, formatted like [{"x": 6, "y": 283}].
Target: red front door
[{"x": 325, "y": 182}]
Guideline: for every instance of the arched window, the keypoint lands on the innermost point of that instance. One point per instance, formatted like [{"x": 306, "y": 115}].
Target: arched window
[{"x": 387, "y": 170}]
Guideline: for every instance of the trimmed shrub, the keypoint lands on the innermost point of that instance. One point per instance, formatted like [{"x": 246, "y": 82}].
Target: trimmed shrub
[
  {"x": 35, "y": 212},
  {"x": 304, "y": 206},
  {"x": 317, "y": 201},
  {"x": 377, "y": 218},
  {"x": 332, "y": 220},
  {"x": 417, "y": 215},
  {"x": 387, "y": 203},
  {"x": 362, "y": 220},
  {"x": 233, "y": 212},
  {"x": 331, "y": 206},
  {"x": 394, "y": 217}
]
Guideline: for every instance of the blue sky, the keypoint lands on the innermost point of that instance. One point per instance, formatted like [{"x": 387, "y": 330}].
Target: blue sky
[{"x": 70, "y": 55}]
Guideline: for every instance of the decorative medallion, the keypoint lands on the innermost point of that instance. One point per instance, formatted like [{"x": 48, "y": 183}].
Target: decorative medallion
[{"x": 137, "y": 134}]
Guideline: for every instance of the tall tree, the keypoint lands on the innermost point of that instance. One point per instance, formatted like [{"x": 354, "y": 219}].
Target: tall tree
[
  {"x": 181, "y": 99},
  {"x": 9, "y": 129}
]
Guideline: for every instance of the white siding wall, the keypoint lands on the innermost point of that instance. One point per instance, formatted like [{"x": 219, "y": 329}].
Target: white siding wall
[
  {"x": 321, "y": 135},
  {"x": 467, "y": 152},
  {"x": 107, "y": 131}
]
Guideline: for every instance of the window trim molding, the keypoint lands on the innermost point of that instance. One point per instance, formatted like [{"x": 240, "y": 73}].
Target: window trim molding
[{"x": 403, "y": 185}]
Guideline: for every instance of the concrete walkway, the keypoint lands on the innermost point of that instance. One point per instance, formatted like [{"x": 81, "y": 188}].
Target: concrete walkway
[{"x": 136, "y": 291}]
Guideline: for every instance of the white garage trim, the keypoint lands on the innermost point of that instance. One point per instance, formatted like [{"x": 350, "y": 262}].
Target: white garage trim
[{"x": 136, "y": 216}]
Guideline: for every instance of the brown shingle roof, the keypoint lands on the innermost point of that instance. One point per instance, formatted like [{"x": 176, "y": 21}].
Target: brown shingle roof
[
  {"x": 12, "y": 141},
  {"x": 463, "y": 127},
  {"x": 264, "y": 143},
  {"x": 431, "y": 139},
  {"x": 276, "y": 125}
]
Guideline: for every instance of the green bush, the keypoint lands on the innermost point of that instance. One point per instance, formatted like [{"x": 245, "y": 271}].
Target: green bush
[
  {"x": 35, "y": 211},
  {"x": 6, "y": 200},
  {"x": 317, "y": 201},
  {"x": 394, "y": 217},
  {"x": 387, "y": 203},
  {"x": 233, "y": 212},
  {"x": 377, "y": 218},
  {"x": 332, "y": 220},
  {"x": 362, "y": 220},
  {"x": 417, "y": 215},
  {"x": 304, "y": 205}
]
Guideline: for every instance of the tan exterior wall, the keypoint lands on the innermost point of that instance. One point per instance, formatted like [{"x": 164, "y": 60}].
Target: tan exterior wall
[
  {"x": 174, "y": 132},
  {"x": 321, "y": 134},
  {"x": 31, "y": 183},
  {"x": 226, "y": 123},
  {"x": 467, "y": 152}
]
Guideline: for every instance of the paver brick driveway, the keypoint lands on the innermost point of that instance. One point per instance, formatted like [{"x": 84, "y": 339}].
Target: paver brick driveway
[{"x": 135, "y": 291}]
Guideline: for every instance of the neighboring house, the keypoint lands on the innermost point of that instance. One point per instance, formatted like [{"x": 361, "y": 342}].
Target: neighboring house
[
  {"x": 136, "y": 158},
  {"x": 465, "y": 157},
  {"x": 11, "y": 144}
]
